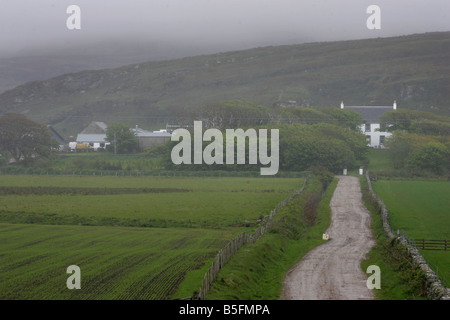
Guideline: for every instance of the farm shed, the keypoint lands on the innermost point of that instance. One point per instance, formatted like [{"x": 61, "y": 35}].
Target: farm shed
[
  {"x": 148, "y": 139},
  {"x": 94, "y": 135},
  {"x": 57, "y": 137}
]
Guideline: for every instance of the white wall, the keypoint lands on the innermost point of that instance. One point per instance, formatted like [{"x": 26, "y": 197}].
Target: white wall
[{"x": 374, "y": 134}]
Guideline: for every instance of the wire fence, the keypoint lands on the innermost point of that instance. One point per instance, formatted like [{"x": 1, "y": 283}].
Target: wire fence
[{"x": 230, "y": 249}]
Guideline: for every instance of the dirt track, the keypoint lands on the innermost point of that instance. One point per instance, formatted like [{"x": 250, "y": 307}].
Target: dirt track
[{"x": 332, "y": 271}]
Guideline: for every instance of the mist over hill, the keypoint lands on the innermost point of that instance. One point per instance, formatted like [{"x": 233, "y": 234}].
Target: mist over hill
[
  {"x": 412, "y": 69},
  {"x": 42, "y": 63}
]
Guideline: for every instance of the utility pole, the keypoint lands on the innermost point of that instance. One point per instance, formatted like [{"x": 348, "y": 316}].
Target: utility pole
[{"x": 115, "y": 144}]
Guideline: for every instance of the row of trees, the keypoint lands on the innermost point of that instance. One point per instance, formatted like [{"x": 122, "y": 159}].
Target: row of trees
[
  {"x": 308, "y": 137},
  {"x": 419, "y": 153},
  {"x": 415, "y": 121},
  {"x": 420, "y": 143},
  {"x": 328, "y": 137},
  {"x": 328, "y": 145}
]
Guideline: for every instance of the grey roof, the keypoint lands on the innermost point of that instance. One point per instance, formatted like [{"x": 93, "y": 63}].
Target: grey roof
[
  {"x": 144, "y": 133},
  {"x": 95, "y": 127},
  {"x": 56, "y": 135},
  {"x": 370, "y": 114},
  {"x": 86, "y": 138}
]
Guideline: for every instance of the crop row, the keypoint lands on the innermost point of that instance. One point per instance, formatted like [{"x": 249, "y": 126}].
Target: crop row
[{"x": 115, "y": 263}]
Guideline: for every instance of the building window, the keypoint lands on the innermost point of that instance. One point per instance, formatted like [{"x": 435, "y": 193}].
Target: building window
[
  {"x": 367, "y": 127},
  {"x": 368, "y": 139},
  {"x": 382, "y": 138}
]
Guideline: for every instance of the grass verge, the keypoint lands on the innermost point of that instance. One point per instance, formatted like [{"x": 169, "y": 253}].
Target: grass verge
[{"x": 400, "y": 279}]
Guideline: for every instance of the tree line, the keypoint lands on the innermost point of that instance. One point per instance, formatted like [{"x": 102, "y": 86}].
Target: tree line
[
  {"x": 325, "y": 137},
  {"x": 420, "y": 143},
  {"x": 329, "y": 138}
]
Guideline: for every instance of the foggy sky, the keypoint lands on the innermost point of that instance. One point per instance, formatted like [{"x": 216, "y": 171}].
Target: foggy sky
[{"x": 27, "y": 26}]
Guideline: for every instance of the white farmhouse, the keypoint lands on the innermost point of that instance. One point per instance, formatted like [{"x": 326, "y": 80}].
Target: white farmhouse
[{"x": 371, "y": 123}]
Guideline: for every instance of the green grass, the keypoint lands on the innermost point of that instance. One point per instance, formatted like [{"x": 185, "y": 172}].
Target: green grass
[
  {"x": 118, "y": 258},
  {"x": 257, "y": 271},
  {"x": 400, "y": 280},
  {"x": 115, "y": 263},
  {"x": 420, "y": 208},
  {"x": 379, "y": 161},
  {"x": 213, "y": 209},
  {"x": 211, "y": 202},
  {"x": 396, "y": 280},
  {"x": 218, "y": 184}
]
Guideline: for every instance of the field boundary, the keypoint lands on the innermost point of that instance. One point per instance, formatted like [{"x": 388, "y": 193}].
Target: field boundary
[
  {"x": 432, "y": 244},
  {"x": 436, "y": 290},
  {"x": 230, "y": 249},
  {"x": 146, "y": 173}
]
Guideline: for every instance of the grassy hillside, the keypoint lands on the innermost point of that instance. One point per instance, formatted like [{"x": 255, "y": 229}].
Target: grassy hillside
[{"x": 414, "y": 70}]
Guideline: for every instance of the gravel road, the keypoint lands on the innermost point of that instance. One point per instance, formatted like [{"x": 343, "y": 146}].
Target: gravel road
[{"x": 332, "y": 270}]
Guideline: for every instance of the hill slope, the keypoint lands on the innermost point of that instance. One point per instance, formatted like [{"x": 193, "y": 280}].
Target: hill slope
[{"x": 413, "y": 70}]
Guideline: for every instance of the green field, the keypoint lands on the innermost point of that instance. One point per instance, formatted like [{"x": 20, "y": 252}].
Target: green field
[
  {"x": 420, "y": 208},
  {"x": 192, "y": 183},
  {"x": 115, "y": 263},
  {"x": 379, "y": 161},
  {"x": 51, "y": 222},
  {"x": 208, "y": 202}
]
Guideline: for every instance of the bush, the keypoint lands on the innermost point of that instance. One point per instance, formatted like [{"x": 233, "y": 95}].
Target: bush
[{"x": 433, "y": 157}]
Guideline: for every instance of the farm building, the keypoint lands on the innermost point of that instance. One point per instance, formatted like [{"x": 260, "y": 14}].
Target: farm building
[
  {"x": 94, "y": 136},
  {"x": 148, "y": 139},
  {"x": 55, "y": 135},
  {"x": 371, "y": 122}
]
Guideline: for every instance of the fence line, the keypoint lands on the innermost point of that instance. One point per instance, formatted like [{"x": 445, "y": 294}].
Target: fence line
[
  {"x": 431, "y": 244},
  {"x": 229, "y": 250},
  {"x": 436, "y": 289},
  {"x": 145, "y": 173}
]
